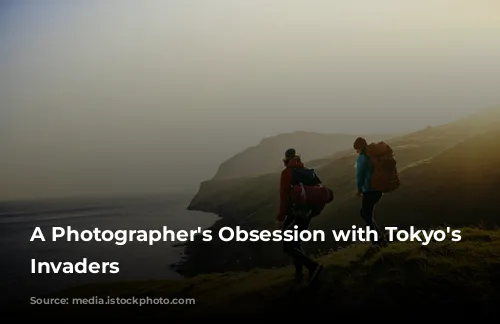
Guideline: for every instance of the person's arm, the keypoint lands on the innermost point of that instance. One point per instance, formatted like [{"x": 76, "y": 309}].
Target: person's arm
[
  {"x": 285, "y": 183},
  {"x": 360, "y": 172}
]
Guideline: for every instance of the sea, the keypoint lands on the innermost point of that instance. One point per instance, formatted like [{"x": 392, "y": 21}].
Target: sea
[{"x": 137, "y": 260}]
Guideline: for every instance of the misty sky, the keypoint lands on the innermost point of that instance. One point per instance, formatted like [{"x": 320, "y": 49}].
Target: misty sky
[{"x": 99, "y": 96}]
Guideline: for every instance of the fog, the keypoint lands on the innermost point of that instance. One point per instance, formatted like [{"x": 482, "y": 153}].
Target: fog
[{"x": 125, "y": 96}]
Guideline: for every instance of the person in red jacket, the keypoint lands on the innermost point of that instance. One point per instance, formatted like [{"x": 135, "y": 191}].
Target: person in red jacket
[{"x": 287, "y": 218}]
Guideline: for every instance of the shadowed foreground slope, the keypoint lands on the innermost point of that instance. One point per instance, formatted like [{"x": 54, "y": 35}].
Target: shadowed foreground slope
[{"x": 403, "y": 281}]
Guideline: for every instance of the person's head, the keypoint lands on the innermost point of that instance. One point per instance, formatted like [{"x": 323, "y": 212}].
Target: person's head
[
  {"x": 289, "y": 154},
  {"x": 359, "y": 144}
]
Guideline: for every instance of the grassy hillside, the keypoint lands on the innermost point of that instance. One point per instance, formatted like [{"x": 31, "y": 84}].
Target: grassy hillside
[
  {"x": 218, "y": 194},
  {"x": 405, "y": 281},
  {"x": 460, "y": 183},
  {"x": 449, "y": 175},
  {"x": 266, "y": 156}
]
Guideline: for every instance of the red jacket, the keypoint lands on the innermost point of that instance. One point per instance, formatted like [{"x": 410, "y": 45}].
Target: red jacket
[{"x": 285, "y": 186}]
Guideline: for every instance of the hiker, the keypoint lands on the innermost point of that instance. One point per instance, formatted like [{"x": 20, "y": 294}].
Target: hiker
[
  {"x": 288, "y": 217},
  {"x": 370, "y": 196}
]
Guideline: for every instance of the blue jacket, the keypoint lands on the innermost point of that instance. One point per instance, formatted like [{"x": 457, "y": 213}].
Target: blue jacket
[{"x": 364, "y": 173}]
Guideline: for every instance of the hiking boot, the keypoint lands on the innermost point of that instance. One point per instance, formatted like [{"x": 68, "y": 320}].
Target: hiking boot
[{"x": 314, "y": 275}]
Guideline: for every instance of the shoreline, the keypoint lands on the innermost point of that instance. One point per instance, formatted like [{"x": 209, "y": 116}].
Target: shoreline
[{"x": 139, "y": 262}]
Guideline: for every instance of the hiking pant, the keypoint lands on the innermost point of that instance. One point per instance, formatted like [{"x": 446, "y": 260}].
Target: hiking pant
[
  {"x": 367, "y": 212},
  {"x": 294, "y": 248}
]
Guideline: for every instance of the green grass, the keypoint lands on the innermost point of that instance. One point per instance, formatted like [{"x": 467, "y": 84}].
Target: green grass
[{"x": 403, "y": 277}]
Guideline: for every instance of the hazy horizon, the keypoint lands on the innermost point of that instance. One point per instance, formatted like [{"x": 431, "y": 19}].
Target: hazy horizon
[{"x": 122, "y": 96}]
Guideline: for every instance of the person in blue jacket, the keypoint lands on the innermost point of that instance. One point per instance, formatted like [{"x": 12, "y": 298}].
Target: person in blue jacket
[{"x": 370, "y": 197}]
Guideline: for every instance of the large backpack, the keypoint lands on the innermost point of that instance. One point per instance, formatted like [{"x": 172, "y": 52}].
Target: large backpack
[
  {"x": 385, "y": 176},
  {"x": 307, "y": 190},
  {"x": 305, "y": 176}
]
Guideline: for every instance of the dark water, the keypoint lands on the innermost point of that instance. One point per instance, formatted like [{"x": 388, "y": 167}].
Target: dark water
[{"x": 138, "y": 260}]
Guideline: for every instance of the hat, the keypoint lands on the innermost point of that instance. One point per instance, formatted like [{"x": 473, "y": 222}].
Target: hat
[{"x": 290, "y": 153}]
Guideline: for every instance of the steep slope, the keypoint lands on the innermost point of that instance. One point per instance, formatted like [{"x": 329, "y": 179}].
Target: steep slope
[
  {"x": 449, "y": 281},
  {"x": 456, "y": 187},
  {"x": 430, "y": 162},
  {"x": 266, "y": 156},
  {"x": 251, "y": 193}
]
